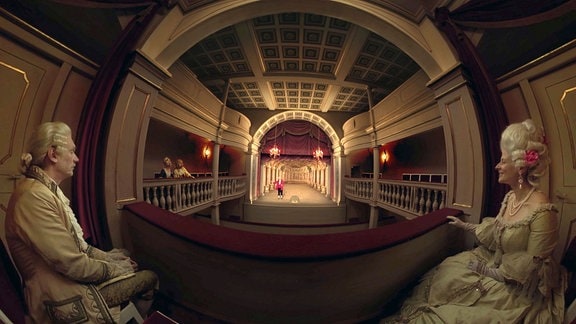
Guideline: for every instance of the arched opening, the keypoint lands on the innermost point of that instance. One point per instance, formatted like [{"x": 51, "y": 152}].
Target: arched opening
[{"x": 299, "y": 165}]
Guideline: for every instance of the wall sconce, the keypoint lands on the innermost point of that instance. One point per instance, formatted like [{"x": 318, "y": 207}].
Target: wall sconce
[
  {"x": 384, "y": 158},
  {"x": 206, "y": 155}
]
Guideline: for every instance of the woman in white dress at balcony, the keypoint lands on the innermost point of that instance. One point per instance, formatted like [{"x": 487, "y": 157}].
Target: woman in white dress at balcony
[{"x": 180, "y": 170}]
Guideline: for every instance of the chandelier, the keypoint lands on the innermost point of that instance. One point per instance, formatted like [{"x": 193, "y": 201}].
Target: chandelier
[
  {"x": 275, "y": 150},
  {"x": 318, "y": 154}
]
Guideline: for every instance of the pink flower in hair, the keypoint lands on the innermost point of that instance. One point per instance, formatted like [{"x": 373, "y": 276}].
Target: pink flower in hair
[{"x": 531, "y": 157}]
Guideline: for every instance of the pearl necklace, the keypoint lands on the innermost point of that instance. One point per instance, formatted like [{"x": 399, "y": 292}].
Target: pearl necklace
[{"x": 514, "y": 208}]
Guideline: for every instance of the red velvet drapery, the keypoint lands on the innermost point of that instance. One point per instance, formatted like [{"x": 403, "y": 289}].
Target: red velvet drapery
[
  {"x": 296, "y": 138},
  {"x": 88, "y": 191}
]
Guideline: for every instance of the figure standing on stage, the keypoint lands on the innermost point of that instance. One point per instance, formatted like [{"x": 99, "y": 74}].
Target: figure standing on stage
[{"x": 279, "y": 185}]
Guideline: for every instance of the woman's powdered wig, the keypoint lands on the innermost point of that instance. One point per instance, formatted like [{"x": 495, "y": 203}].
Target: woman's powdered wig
[{"x": 527, "y": 147}]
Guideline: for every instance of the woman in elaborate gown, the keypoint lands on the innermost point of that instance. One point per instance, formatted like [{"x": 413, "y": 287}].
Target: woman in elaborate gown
[{"x": 510, "y": 277}]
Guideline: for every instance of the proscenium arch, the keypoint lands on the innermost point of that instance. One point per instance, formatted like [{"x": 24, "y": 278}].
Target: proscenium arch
[
  {"x": 178, "y": 32},
  {"x": 297, "y": 115}
]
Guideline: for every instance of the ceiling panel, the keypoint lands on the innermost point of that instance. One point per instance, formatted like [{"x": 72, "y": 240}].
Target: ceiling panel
[
  {"x": 308, "y": 48},
  {"x": 303, "y": 62}
]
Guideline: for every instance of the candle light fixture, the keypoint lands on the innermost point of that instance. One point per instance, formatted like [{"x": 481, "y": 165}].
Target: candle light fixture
[
  {"x": 384, "y": 157},
  {"x": 206, "y": 155},
  {"x": 318, "y": 154},
  {"x": 275, "y": 150}
]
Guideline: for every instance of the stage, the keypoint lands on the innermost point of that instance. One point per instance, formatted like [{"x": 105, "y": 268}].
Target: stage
[
  {"x": 295, "y": 194},
  {"x": 301, "y": 205}
]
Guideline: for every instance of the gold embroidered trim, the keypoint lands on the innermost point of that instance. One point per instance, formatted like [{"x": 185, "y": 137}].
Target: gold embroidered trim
[{"x": 37, "y": 173}]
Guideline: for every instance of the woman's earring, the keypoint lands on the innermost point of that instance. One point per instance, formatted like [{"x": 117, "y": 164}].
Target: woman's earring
[{"x": 520, "y": 181}]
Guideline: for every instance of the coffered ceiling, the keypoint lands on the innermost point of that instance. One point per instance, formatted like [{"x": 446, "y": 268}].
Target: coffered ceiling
[
  {"x": 299, "y": 61},
  {"x": 289, "y": 60}
]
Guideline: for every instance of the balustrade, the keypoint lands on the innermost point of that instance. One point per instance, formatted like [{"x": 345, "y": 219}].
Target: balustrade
[
  {"x": 414, "y": 198},
  {"x": 178, "y": 195}
]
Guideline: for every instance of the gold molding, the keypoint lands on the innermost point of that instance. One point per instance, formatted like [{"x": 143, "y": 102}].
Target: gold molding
[
  {"x": 18, "y": 109},
  {"x": 567, "y": 122}
]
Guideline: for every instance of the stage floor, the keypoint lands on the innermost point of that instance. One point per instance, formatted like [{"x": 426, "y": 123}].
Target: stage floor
[
  {"x": 301, "y": 205},
  {"x": 296, "y": 194}
]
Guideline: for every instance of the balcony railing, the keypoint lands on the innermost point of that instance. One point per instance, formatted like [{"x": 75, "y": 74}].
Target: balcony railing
[
  {"x": 185, "y": 196},
  {"x": 231, "y": 186},
  {"x": 408, "y": 198}
]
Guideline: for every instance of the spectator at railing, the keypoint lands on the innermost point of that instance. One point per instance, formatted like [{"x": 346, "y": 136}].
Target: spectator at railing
[
  {"x": 166, "y": 171},
  {"x": 180, "y": 170}
]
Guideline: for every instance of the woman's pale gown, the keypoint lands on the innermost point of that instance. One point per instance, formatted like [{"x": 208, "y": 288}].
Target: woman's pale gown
[{"x": 533, "y": 291}]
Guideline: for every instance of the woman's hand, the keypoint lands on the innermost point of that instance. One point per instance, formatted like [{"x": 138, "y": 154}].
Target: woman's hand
[
  {"x": 456, "y": 221},
  {"x": 460, "y": 224}
]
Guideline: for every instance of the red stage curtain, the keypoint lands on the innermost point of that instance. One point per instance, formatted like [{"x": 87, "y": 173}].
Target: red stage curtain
[{"x": 296, "y": 137}]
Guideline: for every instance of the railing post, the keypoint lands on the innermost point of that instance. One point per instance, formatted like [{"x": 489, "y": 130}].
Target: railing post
[
  {"x": 155, "y": 196},
  {"x": 215, "y": 188},
  {"x": 178, "y": 197},
  {"x": 373, "y": 223},
  {"x": 162, "y": 197}
]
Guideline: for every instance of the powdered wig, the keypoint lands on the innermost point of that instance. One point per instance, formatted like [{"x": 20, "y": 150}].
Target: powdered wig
[
  {"x": 527, "y": 148},
  {"x": 50, "y": 134}
]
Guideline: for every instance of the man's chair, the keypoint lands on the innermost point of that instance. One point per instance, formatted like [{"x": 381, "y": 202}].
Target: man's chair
[
  {"x": 129, "y": 313},
  {"x": 569, "y": 262},
  {"x": 12, "y": 298}
]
